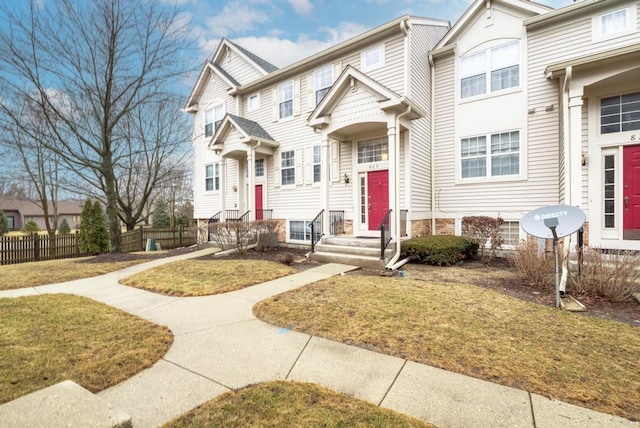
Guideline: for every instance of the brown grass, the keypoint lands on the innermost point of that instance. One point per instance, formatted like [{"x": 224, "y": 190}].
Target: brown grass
[
  {"x": 474, "y": 331},
  {"x": 205, "y": 277},
  {"x": 50, "y": 338},
  {"x": 50, "y": 272},
  {"x": 291, "y": 404}
]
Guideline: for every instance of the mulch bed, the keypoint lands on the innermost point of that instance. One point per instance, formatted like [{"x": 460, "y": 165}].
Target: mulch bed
[{"x": 627, "y": 312}]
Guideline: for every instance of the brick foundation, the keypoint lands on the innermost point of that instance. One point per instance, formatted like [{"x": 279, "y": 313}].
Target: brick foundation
[
  {"x": 445, "y": 226},
  {"x": 420, "y": 228}
]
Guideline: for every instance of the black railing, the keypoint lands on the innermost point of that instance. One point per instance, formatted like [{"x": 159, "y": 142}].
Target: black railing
[
  {"x": 385, "y": 233},
  {"x": 212, "y": 220},
  {"x": 264, "y": 214},
  {"x": 232, "y": 215},
  {"x": 245, "y": 216},
  {"x": 403, "y": 222},
  {"x": 336, "y": 222},
  {"x": 316, "y": 230}
]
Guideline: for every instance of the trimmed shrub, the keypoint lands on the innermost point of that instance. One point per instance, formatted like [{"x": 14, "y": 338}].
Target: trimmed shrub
[
  {"x": 30, "y": 227},
  {"x": 439, "y": 249},
  {"x": 64, "y": 226}
]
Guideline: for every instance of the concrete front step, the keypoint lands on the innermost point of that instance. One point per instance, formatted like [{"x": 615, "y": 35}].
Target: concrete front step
[
  {"x": 65, "y": 404},
  {"x": 354, "y": 251},
  {"x": 366, "y": 262},
  {"x": 352, "y": 241}
]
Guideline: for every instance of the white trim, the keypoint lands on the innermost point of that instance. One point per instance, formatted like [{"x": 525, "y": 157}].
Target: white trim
[
  {"x": 255, "y": 107},
  {"x": 597, "y": 30},
  {"x": 363, "y": 58}
]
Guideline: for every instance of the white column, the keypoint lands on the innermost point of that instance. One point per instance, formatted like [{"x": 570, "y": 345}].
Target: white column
[
  {"x": 574, "y": 158},
  {"x": 325, "y": 178},
  {"x": 394, "y": 153},
  {"x": 252, "y": 183},
  {"x": 223, "y": 189}
]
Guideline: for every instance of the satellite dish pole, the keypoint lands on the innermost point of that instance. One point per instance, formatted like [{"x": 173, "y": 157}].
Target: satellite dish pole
[{"x": 552, "y": 223}]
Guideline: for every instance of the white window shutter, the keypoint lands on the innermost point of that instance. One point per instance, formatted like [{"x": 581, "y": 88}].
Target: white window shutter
[
  {"x": 276, "y": 169},
  {"x": 311, "y": 99},
  {"x": 308, "y": 165},
  {"x": 334, "y": 154},
  {"x": 274, "y": 104},
  {"x": 299, "y": 170},
  {"x": 296, "y": 97},
  {"x": 337, "y": 69}
]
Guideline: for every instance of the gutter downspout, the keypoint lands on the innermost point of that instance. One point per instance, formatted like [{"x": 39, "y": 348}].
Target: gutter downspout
[
  {"x": 432, "y": 65},
  {"x": 396, "y": 203},
  {"x": 566, "y": 125}
]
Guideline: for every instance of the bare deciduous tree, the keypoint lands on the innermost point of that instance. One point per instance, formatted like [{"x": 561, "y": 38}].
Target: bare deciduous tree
[{"x": 90, "y": 68}]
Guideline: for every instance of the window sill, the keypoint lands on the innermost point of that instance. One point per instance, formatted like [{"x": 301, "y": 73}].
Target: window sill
[{"x": 490, "y": 180}]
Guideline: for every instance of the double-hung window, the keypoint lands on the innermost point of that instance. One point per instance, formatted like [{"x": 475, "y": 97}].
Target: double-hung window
[
  {"x": 500, "y": 158},
  {"x": 285, "y": 99},
  {"x": 259, "y": 167},
  {"x": 316, "y": 163},
  {"x": 299, "y": 230},
  {"x": 490, "y": 70},
  {"x": 212, "y": 177},
  {"x": 620, "y": 113},
  {"x": 212, "y": 118},
  {"x": 288, "y": 167},
  {"x": 323, "y": 80}
]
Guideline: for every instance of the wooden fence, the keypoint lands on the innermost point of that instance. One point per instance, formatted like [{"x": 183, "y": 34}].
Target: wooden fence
[
  {"x": 35, "y": 247},
  {"x": 167, "y": 237}
]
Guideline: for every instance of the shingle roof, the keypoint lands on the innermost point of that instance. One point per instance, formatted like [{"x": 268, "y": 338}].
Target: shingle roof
[
  {"x": 225, "y": 74},
  {"x": 30, "y": 208},
  {"x": 266, "y": 66},
  {"x": 251, "y": 128}
]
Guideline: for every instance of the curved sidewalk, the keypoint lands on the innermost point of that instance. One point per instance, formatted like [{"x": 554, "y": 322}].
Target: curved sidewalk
[{"x": 219, "y": 345}]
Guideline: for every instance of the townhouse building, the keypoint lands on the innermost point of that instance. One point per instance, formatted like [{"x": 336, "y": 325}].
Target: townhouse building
[{"x": 409, "y": 127}]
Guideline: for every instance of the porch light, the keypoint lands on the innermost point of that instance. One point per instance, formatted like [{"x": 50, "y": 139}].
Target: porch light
[{"x": 346, "y": 179}]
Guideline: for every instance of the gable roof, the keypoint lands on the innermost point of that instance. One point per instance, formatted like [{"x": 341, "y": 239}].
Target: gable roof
[
  {"x": 207, "y": 70},
  {"x": 387, "y": 98},
  {"x": 478, "y": 5},
  {"x": 265, "y": 65},
  {"x": 213, "y": 66},
  {"x": 250, "y": 130},
  {"x": 30, "y": 208}
]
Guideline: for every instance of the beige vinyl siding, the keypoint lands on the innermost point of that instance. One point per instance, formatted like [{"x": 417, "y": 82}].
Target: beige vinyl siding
[
  {"x": 341, "y": 196},
  {"x": 585, "y": 149},
  {"x": 418, "y": 171},
  {"x": 241, "y": 70},
  {"x": 361, "y": 105}
]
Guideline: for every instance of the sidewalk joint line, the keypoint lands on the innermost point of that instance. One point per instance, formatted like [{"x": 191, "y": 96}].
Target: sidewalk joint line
[
  {"x": 533, "y": 415},
  {"x": 404, "y": 363},
  {"x": 198, "y": 374},
  {"x": 298, "y": 358}
]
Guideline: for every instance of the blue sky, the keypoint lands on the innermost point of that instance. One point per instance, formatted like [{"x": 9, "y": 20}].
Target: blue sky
[{"x": 284, "y": 31}]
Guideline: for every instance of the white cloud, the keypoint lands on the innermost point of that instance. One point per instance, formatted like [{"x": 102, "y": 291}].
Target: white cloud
[
  {"x": 236, "y": 17},
  {"x": 302, "y": 7}
]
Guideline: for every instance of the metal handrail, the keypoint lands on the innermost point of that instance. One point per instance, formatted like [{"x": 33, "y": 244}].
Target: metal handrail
[
  {"x": 215, "y": 218},
  {"x": 385, "y": 233},
  {"x": 232, "y": 215},
  {"x": 317, "y": 219},
  {"x": 244, "y": 216},
  {"x": 264, "y": 214}
]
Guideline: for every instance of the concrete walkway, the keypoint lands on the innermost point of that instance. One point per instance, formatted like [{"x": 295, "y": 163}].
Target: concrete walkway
[{"x": 219, "y": 346}]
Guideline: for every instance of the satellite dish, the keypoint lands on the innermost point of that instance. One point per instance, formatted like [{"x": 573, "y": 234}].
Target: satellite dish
[{"x": 566, "y": 219}]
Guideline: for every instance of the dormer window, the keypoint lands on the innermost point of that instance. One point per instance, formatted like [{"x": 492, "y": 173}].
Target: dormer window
[{"x": 212, "y": 117}]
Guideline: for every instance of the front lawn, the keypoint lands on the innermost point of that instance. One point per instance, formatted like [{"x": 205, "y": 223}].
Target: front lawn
[
  {"x": 205, "y": 277},
  {"x": 32, "y": 274},
  {"x": 291, "y": 404},
  {"x": 475, "y": 331},
  {"x": 50, "y": 338}
]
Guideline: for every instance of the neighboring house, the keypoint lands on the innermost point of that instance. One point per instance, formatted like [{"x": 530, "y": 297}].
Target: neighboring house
[
  {"x": 516, "y": 106},
  {"x": 19, "y": 212}
]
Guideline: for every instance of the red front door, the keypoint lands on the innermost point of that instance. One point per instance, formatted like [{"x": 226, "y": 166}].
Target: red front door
[
  {"x": 259, "y": 202},
  {"x": 631, "y": 193},
  {"x": 378, "y": 196}
]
